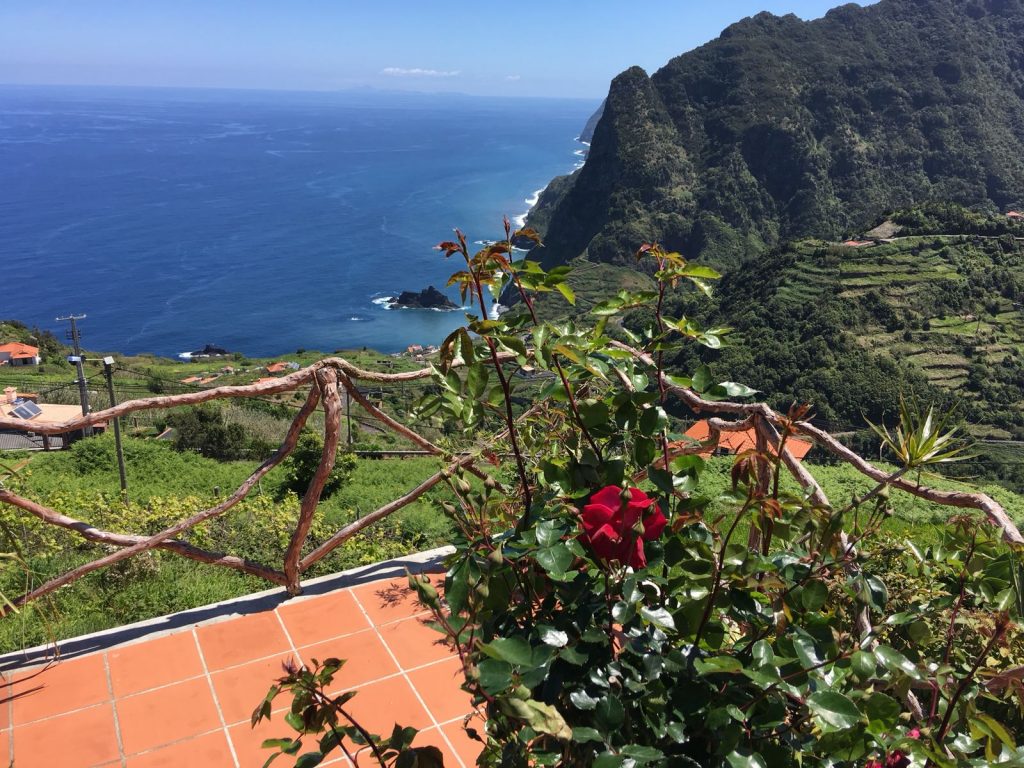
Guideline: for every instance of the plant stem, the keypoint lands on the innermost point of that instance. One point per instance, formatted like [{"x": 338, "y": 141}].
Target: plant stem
[
  {"x": 524, "y": 479},
  {"x": 558, "y": 366}
]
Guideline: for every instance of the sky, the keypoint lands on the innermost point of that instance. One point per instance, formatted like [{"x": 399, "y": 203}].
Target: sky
[{"x": 547, "y": 48}]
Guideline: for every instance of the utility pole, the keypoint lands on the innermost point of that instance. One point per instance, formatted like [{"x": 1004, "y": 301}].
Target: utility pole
[
  {"x": 108, "y": 372},
  {"x": 75, "y": 336}
]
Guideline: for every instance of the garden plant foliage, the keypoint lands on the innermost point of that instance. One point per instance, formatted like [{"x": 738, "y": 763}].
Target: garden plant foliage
[{"x": 608, "y": 612}]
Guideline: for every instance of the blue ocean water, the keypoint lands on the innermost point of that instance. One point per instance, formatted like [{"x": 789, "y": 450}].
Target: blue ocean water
[{"x": 261, "y": 222}]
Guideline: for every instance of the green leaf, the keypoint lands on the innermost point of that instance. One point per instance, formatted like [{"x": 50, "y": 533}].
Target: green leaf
[
  {"x": 584, "y": 735},
  {"x": 543, "y": 718},
  {"x": 567, "y": 292},
  {"x": 309, "y": 759},
  {"x": 659, "y": 617},
  {"x": 806, "y": 651},
  {"x": 882, "y": 711},
  {"x": 495, "y": 675},
  {"x": 556, "y": 638},
  {"x": 583, "y": 701},
  {"x": 893, "y": 660},
  {"x": 814, "y": 595},
  {"x": 718, "y": 664},
  {"x": 745, "y": 759},
  {"x": 555, "y": 560},
  {"x": 514, "y": 650},
  {"x": 609, "y": 715},
  {"x": 833, "y": 709},
  {"x": 642, "y": 754},
  {"x": 701, "y": 378}
]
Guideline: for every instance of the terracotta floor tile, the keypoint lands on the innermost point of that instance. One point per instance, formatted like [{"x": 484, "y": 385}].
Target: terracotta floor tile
[
  {"x": 379, "y": 706},
  {"x": 414, "y": 643},
  {"x": 322, "y": 617},
  {"x": 366, "y": 658},
  {"x": 390, "y": 600},
  {"x": 208, "y": 751},
  {"x": 467, "y": 749},
  {"x": 240, "y": 689},
  {"x": 64, "y": 687},
  {"x": 79, "y": 740},
  {"x": 151, "y": 663},
  {"x": 243, "y": 639},
  {"x": 438, "y": 685},
  {"x": 155, "y": 718}
]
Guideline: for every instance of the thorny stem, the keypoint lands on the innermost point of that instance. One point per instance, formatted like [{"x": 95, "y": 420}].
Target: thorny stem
[
  {"x": 662, "y": 391},
  {"x": 961, "y": 593},
  {"x": 524, "y": 479},
  {"x": 362, "y": 731},
  {"x": 997, "y": 635},
  {"x": 558, "y": 366},
  {"x": 719, "y": 564}
]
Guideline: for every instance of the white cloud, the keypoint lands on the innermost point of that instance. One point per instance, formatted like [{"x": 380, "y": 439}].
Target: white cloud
[
  {"x": 512, "y": 78},
  {"x": 418, "y": 72}
]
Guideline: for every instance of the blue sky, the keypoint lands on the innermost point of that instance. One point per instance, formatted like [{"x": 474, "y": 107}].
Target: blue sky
[{"x": 526, "y": 48}]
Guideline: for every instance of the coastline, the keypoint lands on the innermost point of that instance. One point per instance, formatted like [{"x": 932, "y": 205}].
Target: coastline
[{"x": 520, "y": 220}]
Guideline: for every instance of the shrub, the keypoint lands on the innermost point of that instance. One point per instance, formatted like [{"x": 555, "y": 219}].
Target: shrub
[{"x": 607, "y": 614}]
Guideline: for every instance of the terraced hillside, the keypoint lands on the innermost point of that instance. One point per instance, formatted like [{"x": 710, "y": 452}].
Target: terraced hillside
[
  {"x": 850, "y": 327},
  {"x": 921, "y": 301}
]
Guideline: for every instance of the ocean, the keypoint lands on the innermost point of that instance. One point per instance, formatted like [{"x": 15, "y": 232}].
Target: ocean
[{"x": 262, "y": 222}]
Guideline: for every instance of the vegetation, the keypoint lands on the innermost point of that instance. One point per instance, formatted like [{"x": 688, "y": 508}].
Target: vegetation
[
  {"x": 606, "y": 613},
  {"x": 784, "y": 129},
  {"x": 850, "y": 328}
]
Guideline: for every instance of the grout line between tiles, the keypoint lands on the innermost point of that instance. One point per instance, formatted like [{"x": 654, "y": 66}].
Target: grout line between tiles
[
  {"x": 216, "y": 701},
  {"x": 444, "y": 736},
  {"x": 113, "y": 708}
]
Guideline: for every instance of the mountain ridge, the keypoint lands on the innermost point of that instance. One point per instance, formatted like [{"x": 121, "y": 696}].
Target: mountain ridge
[{"x": 782, "y": 128}]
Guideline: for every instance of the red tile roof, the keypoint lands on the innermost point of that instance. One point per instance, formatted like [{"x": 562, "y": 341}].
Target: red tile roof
[
  {"x": 277, "y": 367},
  {"x": 19, "y": 351},
  {"x": 738, "y": 442}
]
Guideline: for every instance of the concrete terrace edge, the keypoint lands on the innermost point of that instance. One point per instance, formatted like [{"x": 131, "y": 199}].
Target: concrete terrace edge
[{"x": 420, "y": 562}]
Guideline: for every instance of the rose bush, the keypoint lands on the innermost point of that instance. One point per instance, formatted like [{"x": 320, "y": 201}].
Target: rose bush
[{"x": 608, "y": 613}]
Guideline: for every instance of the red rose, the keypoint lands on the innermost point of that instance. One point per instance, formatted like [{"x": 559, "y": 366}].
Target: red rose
[
  {"x": 897, "y": 759},
  {"x": 609, "y": 525}
]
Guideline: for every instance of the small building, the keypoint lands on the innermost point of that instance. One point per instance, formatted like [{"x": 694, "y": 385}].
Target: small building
[
  {"x": 1014, "y": 215},
  {"x": 13, "y": 406},
  {"x": 16, "y": 353},
  {"x": 736, "y": 442},
  {"x": 281, "y": 367}
]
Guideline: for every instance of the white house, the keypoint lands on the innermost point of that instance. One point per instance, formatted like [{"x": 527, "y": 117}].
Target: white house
[{"x": 16, "y": 353}]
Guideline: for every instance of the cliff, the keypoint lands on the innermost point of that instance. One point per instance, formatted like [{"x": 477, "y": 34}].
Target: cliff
[{"x": 783, "y": 128}]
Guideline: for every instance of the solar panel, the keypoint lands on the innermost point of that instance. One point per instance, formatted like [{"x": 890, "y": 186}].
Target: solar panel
[{"x": 26, "y": 410}]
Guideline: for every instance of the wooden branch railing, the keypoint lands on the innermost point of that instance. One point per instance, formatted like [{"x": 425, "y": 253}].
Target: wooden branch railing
[{"x": 324, "y": 379}]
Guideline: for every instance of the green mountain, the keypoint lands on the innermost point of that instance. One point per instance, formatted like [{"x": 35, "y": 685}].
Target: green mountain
[
  {"x": 783, "y": 129},
  {"x": 936, "y": 311}
]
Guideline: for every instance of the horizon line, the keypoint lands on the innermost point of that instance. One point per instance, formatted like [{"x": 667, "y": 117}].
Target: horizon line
[{"x": 325, "y": 91}]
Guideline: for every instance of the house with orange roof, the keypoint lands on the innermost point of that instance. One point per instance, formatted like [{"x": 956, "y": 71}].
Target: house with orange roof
[
  {"x": 16, "y": 353},
  {"x": 735, "y": 442}
]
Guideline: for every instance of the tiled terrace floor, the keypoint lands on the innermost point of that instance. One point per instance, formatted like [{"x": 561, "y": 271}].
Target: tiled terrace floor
[{"x": 184, "y": 698}]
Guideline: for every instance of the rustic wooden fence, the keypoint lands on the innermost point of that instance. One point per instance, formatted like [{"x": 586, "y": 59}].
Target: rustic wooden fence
[{"x": 326, "y": 380}]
